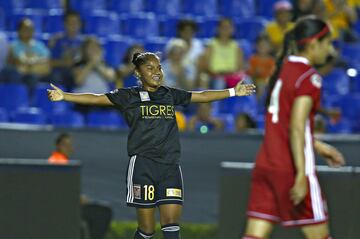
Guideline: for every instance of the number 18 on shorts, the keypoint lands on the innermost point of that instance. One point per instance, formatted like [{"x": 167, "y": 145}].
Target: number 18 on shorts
[{"x": 150, "y": 183}]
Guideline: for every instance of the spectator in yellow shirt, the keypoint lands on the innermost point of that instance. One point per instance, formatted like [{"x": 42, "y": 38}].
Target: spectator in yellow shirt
[
  {"x": 341, "y": 14},
  {"x": 276, "y": 29}
]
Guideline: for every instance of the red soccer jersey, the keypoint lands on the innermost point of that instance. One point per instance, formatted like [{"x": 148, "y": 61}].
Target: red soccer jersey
[{"x": 296, "y": 78}]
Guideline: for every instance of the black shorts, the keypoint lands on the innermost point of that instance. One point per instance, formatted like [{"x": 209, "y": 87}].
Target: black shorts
[{"x": 150, "y": 184}]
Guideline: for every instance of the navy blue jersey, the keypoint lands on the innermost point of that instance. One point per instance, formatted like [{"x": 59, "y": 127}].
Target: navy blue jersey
[{"x": 151, "y": 117}]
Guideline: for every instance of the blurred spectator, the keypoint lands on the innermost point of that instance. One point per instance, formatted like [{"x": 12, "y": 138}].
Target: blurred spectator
[
  {"x": 186, "y": 30},
  {"x": 29, "y": 56},
  {"x": 64, "y": 149},
  {"x": 180, "y": 121},
  {"x": 276, "y": 29},
  {"x": 341, "y": 15},
  {"x": 175, "y": 72},
  {"x": 90, "y": 73},
  {"x": 203, "y": 118},
  {"x": 308, "y": 7},
  {"x": 125, "y": 72},
  {"x": 65, "y": 48},
  {"x": 244, "y": 122},
  {"x": 223, "y": 55},
  {"x": 96, "y": 216},
  {"x": 261, "y": 64}
]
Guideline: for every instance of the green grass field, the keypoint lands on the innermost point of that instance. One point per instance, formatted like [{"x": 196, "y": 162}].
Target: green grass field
[{"x": 125, "y": 230}]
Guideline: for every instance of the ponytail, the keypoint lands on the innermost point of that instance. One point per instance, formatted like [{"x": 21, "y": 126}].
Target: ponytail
[{"x": 288, "y": 48}]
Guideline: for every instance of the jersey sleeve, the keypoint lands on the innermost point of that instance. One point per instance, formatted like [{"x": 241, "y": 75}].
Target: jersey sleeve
[
  {"x": 120, "y": 98},
  {"x": 310, "y": 86},
  {"x": 181, "y": 97}
]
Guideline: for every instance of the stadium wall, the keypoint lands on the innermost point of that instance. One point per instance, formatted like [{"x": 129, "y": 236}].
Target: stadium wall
[{"x": 104, "y": 159}]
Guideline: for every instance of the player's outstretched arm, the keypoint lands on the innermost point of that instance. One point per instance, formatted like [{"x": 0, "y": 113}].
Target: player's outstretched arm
[
  {"x": 333, "y": 157},
  {"x": 213, "y": 95},
  {"x": 56, "y": 94}
]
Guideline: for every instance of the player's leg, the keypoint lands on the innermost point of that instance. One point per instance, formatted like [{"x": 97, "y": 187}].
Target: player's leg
[
  {"x": 169, "y": 219},
  {"x": 170, "y": 201},
  {"x": 263, "y": 210},
  {"x": 258, "y": 229},
  {"x": 318, "y": 231},
  {"x": 141, "y": 195},
  {"x": 146, "y": 223}
]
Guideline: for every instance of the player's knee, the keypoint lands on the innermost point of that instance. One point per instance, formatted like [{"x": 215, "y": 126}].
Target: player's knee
[
  {"x": 317, "y": 235},
  {"x": 168, "y": 220},
  {"x": 140, "y": 234}
]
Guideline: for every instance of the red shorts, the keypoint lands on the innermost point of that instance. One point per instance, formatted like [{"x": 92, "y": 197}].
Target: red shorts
[{"x": 270, "y": 199}]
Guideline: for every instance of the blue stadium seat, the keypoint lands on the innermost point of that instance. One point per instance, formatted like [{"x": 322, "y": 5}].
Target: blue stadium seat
[
  {"x": 115, "y": 49},
  {"x": 250, "y": 28},
  {"x": 29, "y": 116},
  {"x": 130, "y": 81},
  {"x": 156, "y": 44},
  {"x": 87, "y": 7},
  {"x": 235, "y": 105},
  {"x": 13, "y": 96},
  {"x": 229, "y": 122},
  {"x": 44, "y": 4},
  {"x": 265, "y": 8},
  {"x": 10, "y": 6},
  {"x": 3, "y": 116},
  {"x": 105, "y": 119},
  {"x": 102, "y": 23},
  {"x": 237, "y": 8},
  {"x": 140, "y": 25},
  {"x": 53, "y": 22},
  {"x": 168, "y": 25},
  {"x": 246, "y": 104},
  {"x": 207, "y": 27},
  {"x": 336, "y": 82},
  {"x": 164, "y": 7},
  {"x": 246, "y": 47},
  {"x": 40, "y": 100},
  {"x": 341, "y": 127},
  {"x": 68, "y": 119},
  {"x": 350, "y": 106},
  {"x": 2, "y": 20},
  {"x": 34, "y": 14},
  {"x": 204, "y": 8},
  {"x": 260, "y": 122},
  {"x": 351, "y": 52},
  {"x": 133, "y": 6}
]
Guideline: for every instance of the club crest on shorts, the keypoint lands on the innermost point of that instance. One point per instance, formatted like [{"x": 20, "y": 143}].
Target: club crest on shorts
[
  {"x": 173, "y": 192},
  {"x": 144, "y": 96},
  {"x": 137, "y": 191}
]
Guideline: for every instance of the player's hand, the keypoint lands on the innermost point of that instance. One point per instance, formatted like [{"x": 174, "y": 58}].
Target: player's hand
[
  {"x": 332, "y": 156},
  {"x": 299, "y": 190},
  {"x": 56, "y": 94},
  {"x": 244, "y": 89}
]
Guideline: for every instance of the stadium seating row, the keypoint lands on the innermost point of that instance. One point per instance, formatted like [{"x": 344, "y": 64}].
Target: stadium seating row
[
  {"x": 17, "y": 106},
  {"x": 242, "y": 8}
]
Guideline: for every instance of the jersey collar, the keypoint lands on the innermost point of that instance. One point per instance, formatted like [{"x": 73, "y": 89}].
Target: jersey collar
[{"x": 299, "y": 59}]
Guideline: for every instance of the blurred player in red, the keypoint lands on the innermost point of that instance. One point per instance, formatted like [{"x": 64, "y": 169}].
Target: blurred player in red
[{"x": 285, "y": 188}]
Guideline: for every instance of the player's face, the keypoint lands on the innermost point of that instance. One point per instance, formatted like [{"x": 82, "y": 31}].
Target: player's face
[
  {"x": 151, "y": 73},
  {"x": 322, "y": 50}
]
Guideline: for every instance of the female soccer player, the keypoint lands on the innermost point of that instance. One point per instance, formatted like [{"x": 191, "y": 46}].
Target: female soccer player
[
  {"x": 284, "y": 185},
  {"x": 154, "y": 177}
]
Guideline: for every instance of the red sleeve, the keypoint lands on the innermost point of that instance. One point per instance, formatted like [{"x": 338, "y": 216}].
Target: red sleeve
[{"x": 310, "y": 86}]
